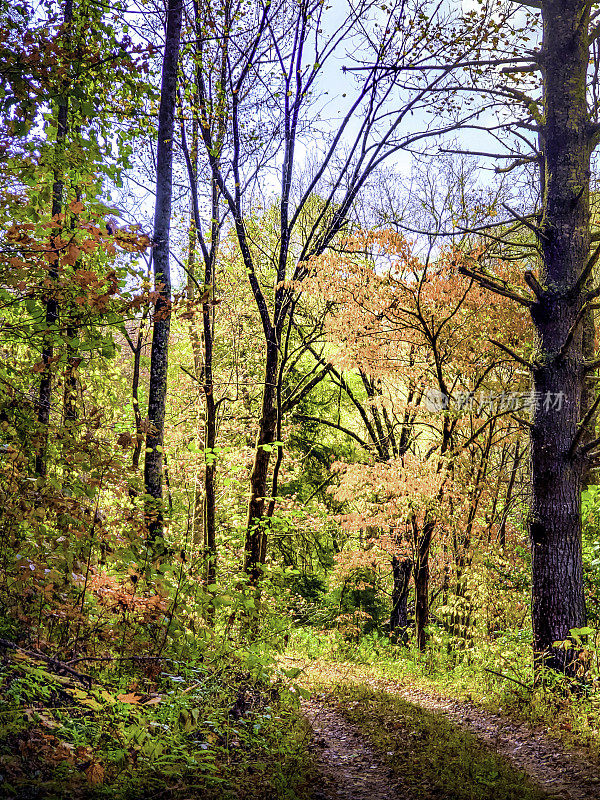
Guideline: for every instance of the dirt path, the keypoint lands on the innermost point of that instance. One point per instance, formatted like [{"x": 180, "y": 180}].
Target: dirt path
[
  {"x": 563, "y": 774},
  {"x": 348, "y": 768}
]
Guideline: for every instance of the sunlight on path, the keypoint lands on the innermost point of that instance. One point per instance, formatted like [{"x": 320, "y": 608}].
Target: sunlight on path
[{"x": 562, "y": 773}]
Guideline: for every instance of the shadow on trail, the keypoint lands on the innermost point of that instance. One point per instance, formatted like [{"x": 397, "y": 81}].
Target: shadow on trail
[{"x": 417, "y": 753}]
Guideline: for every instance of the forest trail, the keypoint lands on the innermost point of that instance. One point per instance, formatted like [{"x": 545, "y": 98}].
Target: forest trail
[
  {"x": 348, "y": 768},
  {"x": 344, "y": 753}
]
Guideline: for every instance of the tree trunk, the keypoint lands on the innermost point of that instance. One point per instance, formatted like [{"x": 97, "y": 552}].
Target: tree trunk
[
  {"x": 52, "y": 307},
  {"x": 558, "y": 375},
  {"x": 256, "y": 537},
  {"x": 153, "y": 466},
  {"x": 135, "y": 400},
  {"x": 210, "y": 544},
  {"x": 421, "y": 577},
  {"x": 401, "y": 571},
  {"x": 422, "y": 600},
  {"x": 70, "y": 388},
  {"x": 501, "y": 538}
]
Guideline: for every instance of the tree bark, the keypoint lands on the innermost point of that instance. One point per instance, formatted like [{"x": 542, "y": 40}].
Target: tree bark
[
  {"x": 135, "y": 400},
  {"x": 401, "y": 571},
  {"x": 422, "y": 541},
  {"x": 558, "y": 374},
  {"x": 255, "y": 551},
  {"x": 52, "y": 306},
  {"x": 153, "y": 466},
  {"x": 203, "y": 351}
]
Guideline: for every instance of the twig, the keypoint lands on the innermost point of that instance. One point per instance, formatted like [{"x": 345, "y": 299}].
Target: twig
[
  {"x": 586, "y": 272},
  {"x": 508, "y": 678},
  {"x": 117, "y": 658},
  {"x": 590, "y": 366},
  {"x": 493, "y": 286},
  {"x": 582, "y": 426},
  {"x": 533, "y": 284},
  {"x": 524, "y": 422},
  {"x": 590, "y": 446},
  {"x": 538, "y": 232},
  {"x": 582, "y": 312},
  {"x": 52, "y": 662},
  {"x": 512, "y": 354}
]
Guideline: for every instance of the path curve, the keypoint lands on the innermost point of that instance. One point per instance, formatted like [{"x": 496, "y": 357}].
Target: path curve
[
  {"x": 563, "y": 773},
  {"x": 348, "y": 767}
]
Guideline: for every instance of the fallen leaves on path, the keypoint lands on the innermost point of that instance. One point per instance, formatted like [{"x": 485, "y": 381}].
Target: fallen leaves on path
[
  {"x": 563, "y": 774},
  {"x": 349, "y": 768}
]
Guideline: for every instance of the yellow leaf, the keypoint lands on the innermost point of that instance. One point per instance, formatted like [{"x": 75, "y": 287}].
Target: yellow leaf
[
  {"x": 84, "y": 698},
  {"x": 132, "y": 698}
]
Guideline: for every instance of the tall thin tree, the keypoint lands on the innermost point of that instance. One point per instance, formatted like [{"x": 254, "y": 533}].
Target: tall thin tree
[
  {"x": 272, "y": 82},
  {"x": 51, "y": 302},
  {"x": 153, "y": 465}
]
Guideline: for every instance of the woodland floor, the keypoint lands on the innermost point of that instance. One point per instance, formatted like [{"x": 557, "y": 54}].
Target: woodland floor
[
  {"x": 348, "y": 768},
  {"x": 353, "y": 765}
]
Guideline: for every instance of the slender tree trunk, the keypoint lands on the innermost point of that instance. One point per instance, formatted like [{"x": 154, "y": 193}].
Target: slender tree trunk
[
  {"x": 422, "y": 541},
  {"x": 401, "y": 571},
  {"x": 153, "y": 466},
  {"x": 422, "y": 599},
  {"x": 210, "y": 432},
  {"x": 255, "y": 544},
  {"x": 203, "y": 352},
  {"x": 198, "y": 513},
  {"x": 491, "y": 517},
  {"x": 70, "y": 389},
  {"x": 52, "y": 306},
  {"x": 555, "y": 516},
  {"x": 509, "y": 492},
  {"x": 135, "y": 387}
]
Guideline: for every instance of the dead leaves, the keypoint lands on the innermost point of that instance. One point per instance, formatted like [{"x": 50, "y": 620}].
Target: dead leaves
[
  {"x": 76, "y": 206},
  {"x": 130, "y": 698},
  {"x": 125, "y": 440},
  {"x": 95, "y": 774}
]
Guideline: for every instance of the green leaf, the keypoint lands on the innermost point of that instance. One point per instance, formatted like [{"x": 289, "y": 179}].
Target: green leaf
[{"x": 587, "y": 631}]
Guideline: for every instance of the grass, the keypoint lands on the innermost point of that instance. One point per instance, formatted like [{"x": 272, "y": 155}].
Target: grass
[
  {"x": 572, "y": 718},
  {"x": 428, "y": 753}
]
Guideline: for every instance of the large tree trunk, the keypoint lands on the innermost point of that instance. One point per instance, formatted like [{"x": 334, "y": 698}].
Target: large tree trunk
[
  {"x": 555, "y": 516},
  {"x": 153, "y": 466}
]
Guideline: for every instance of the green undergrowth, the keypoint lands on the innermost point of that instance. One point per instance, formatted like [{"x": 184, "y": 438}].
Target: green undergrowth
[
  {"x": 428, "y": 753},
  {"x": 496, "y": 674},
  {"x": 177, "y": 731}
]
